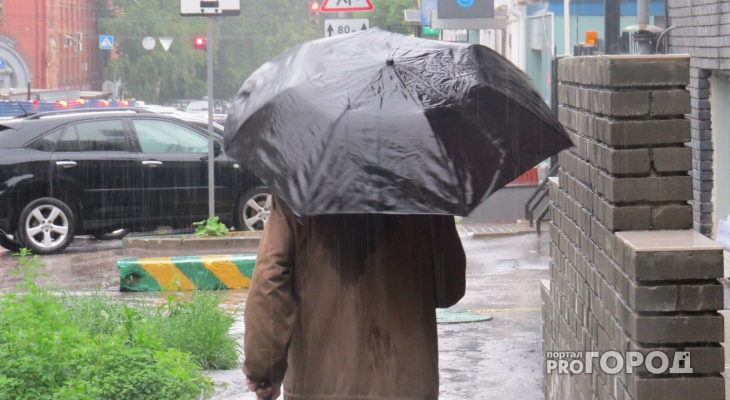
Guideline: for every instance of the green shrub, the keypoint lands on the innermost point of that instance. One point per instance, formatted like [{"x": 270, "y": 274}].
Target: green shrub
[
  {"x": 93, "y": 347},
  {"x": 206, "y": 330},
  {"x": 210, "y": 227}
]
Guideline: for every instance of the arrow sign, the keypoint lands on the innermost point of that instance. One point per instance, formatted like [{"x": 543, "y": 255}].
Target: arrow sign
[
  {"x": 346, "y": 5},
  {"x": 338, "y": 27}
]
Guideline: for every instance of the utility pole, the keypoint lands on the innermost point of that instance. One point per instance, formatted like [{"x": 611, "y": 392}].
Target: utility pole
[{"x": 211, "y": 106}]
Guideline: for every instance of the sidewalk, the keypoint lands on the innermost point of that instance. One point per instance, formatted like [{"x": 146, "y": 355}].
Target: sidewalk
[{"x": 495, "y": 229}]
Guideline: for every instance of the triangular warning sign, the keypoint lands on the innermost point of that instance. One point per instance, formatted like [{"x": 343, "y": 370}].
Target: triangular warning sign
[
  {"x": 166, "y": 42},
  {"x": 346, "y": 5}
]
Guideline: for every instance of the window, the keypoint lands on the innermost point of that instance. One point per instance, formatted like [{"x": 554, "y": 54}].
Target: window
[
  {"x": 168, "y": 137},
  {"x": 46, "y": 142},
  {"x": 102, "y": 136},
  {"x": 69, "y": 142}
]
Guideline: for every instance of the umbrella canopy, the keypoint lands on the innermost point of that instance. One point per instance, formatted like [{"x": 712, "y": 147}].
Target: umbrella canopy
[{"x": 378, "y": 122}]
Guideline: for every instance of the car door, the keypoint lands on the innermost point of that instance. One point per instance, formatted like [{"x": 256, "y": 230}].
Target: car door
[
  {"x": 175, "y": 169},
  {"x": 96, "y": 161}
]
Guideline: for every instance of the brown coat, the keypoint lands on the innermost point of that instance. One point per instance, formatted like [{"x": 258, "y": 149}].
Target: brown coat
[{"x": 343, "y": 306}]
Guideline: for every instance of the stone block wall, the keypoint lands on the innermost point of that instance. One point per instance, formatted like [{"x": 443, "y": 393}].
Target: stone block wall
[
  {"x": 627, "y": 271},
  {"x": 702, "y": 30}
]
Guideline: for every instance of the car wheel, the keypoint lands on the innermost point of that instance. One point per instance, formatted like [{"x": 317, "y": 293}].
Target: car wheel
[
  {"x": 253, "y": 209},
  {"x": 8, "y": 244},
  {"x": 46, "y": 226},
  {"x": 113, "y": 235}
]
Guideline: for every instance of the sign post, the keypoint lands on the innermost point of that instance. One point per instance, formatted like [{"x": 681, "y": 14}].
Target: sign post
[
  {"x": 338, "y": 27},
  {"x": 210, "y": 9},
  {"x": 346, "y": 5}
]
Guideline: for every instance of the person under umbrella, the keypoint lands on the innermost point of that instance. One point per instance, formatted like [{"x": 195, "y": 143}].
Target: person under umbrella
[
  {"x": 342, "y": 306},
  {"x": 372, "y": 142}
]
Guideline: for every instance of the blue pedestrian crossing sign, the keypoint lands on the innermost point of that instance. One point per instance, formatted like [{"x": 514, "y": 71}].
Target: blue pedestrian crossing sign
[{"x": 106, "y": 42}]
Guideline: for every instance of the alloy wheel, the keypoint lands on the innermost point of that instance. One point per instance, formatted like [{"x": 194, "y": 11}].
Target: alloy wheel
[
  {"x": 256, "y": 211},
  {"x": 47, "y": 226}
]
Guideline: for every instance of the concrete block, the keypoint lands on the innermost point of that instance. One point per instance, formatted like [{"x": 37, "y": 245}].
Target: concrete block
[
  {"x": 186, "y": 272},
  {"x": 665, "y": 188},
  {"x": 626, "y": 71},
  {"x": 679, "y": 387},
  {"x": 670, "y": 102},
  {"x": 671, "y": 159},
  {"x": 700, "y": 297},
  {"x": 670, "y": 255},
  {"x": 675, "y": 216},
  {"x": 648, "y": 132},
  {"x": 703, "y": 359}
]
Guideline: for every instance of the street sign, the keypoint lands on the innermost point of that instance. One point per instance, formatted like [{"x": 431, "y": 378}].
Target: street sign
[
  {"x": 208, "y": 8},
  {"x": 338, "y": 27},
  {"x": 456, "y": 9},
  {"x": 346, "y": 5},
  {"x": 166, "y": 41},
  {"x": 106, "y": 42},
  {"x": 148, "y": 43}
]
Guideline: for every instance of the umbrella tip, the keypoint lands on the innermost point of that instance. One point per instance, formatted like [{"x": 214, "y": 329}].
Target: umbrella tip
[{"x": 390, "y": 62}]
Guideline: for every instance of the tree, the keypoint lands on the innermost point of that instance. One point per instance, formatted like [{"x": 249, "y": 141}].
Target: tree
[
  {"x": 155, "y": 75},
  {"x": 242, "y": 43}
]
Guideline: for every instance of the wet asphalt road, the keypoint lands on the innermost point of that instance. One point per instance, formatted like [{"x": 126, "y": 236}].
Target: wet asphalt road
[{"x": 497, "y": 359}]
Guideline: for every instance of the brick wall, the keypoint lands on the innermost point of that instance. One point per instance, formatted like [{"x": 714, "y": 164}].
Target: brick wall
[
  {"x": 702, "y": 30},
  {"x": 627, "y": 271}
]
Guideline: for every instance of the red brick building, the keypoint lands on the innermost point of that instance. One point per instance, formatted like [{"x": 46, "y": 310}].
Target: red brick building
[{"x": 53, "y": 44}]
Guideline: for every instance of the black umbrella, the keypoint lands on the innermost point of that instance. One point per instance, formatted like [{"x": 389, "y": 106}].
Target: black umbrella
[{"x": 386, "y": 123}]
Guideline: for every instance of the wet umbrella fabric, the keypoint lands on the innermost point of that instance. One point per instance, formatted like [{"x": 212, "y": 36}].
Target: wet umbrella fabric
[{"x": 378, "y": 122}]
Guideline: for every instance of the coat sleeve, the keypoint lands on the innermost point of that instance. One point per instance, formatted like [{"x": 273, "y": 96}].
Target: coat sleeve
[
  {"x": 271, "y": 307},
  {"x": 449, "y": 261}
]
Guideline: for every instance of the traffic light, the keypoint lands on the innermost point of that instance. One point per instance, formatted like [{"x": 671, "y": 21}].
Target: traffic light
[
  {"x": 314, "y": 10},
  {"x": 200, "y": 42}
]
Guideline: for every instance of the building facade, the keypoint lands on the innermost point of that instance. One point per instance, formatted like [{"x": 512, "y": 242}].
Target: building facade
[
  {"x": 50, "y": 44},
  {"x": 701, "y": 28}
]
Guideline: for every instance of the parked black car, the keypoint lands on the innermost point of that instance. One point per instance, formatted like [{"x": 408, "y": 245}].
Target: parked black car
[{"x": 99, "y": 171}]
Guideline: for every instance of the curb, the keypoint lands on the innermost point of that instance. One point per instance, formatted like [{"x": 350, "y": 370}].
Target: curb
[
  {"x": 208, "y": 272},
  {"x": 187, "y": 245},
  {"x": 499, "y": 234}
]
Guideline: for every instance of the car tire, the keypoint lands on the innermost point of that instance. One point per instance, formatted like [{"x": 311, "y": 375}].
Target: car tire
[
  {"x": 113, "y": 235},
  {"x": 8, "y": 244},
  {"x": 253, "y": 209},
  {"x": 46, "y": 226}
]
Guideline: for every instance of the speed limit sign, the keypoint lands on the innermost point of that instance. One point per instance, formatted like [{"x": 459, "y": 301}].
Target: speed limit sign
[{"x": 337, "y": 27}]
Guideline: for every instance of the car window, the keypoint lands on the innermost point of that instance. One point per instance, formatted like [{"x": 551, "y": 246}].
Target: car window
[
  {"x": 69, "y": 142},
  {"x": 106, "y": 135},
  {"x": 46, "y": 142},
  {"x": 168, "y": 137}
]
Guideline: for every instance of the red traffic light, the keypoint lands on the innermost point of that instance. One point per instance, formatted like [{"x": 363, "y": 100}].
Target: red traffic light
[
  {"x": 314, "y": 6},
  {"x": 200, "y": 42}
]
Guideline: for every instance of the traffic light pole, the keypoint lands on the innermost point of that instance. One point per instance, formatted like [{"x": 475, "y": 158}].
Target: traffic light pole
[{"x": 211, "y": 105}]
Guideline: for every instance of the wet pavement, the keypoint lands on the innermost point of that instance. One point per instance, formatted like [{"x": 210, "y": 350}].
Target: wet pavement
[{"x": 495, "y": 359}]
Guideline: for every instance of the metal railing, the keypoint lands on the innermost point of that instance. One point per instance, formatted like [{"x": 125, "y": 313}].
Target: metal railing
[{"x": 534, "y": 201}]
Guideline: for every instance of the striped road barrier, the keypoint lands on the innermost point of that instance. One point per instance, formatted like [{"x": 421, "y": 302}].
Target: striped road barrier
[{"x": 186, "y": 272}]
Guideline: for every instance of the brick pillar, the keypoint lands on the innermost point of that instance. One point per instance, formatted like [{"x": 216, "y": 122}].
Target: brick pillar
[
  {"x": 627, "y": 271},
  {"x": 701, "y": 144}
]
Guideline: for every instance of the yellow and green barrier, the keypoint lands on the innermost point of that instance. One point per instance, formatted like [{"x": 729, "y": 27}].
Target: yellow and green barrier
[{"x": 186, "y": 272}]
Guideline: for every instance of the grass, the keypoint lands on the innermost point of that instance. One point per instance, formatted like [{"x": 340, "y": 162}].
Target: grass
[{"x": 96, "y": 347}]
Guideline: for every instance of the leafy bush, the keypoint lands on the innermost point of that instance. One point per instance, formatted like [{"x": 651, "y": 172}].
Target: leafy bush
[
  {"x": 94, "y": 347},
  {"x": 210, "y": 227},
  {"x": 206, "y": 330}
]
